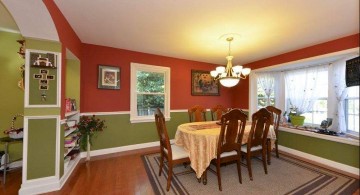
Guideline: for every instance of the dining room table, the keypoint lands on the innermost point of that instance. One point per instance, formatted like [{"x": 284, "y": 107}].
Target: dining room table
[{"x": 200, "y": 140}]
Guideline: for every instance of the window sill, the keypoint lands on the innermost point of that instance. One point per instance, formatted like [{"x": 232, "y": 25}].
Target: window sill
[
  {"x": 145, "y": 120},
  {"x": 341, "y": 139}
]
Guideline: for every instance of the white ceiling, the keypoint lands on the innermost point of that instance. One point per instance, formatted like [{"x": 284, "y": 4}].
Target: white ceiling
[{"x": 191, "y": 29}]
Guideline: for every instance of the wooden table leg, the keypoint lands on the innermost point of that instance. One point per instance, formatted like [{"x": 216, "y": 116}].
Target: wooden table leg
[
  {"x": 204, "y": 177},
  {"x": 269, "y": 151}
]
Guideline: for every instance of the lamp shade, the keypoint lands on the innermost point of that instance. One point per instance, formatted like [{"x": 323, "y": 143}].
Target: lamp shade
[{"x": 229, "y": 81}]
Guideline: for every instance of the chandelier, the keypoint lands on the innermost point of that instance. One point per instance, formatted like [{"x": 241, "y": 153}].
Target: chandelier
[{"x": 230, "y": 76}]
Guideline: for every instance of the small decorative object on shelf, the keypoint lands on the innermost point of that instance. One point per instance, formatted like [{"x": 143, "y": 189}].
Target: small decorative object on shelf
[
  {"x": 15, "y": 133},
  {"x": 88, "y": 127},
  {"x": 295, "y": 116},
  {"x": 70, "y": 105}
]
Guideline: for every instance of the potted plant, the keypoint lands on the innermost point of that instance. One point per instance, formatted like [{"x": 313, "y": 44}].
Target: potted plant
[
  {"x": 88, "y": 127},
  {"x": 295, "y": 116}
]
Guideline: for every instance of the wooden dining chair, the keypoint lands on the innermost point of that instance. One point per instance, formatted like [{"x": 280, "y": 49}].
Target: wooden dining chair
[
  {"x": 257, "y": 140},
  {"x": 217, "y": 111},
  {"x": 172, "y": 153},
  {"x": 276, "y": 121},
  {"x": 197, "y": 113},
  {"x": 229, "y": 144}
]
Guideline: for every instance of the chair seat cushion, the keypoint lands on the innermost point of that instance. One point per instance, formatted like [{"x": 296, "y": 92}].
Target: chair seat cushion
[
  {"x": 226, "y": 154},
  {"x": 244, "y": 148},
  {"x": 178, "y": 152}
]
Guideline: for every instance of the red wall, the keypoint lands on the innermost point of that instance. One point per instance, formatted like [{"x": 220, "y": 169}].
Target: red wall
[
  {"x": 102, "y": 100},
  {"x": 241, "y": 94},
  {"x": 68, "y": 39}
]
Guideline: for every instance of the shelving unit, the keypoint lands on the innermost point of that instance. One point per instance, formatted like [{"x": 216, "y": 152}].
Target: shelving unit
[{"x": 70, "y": 162}]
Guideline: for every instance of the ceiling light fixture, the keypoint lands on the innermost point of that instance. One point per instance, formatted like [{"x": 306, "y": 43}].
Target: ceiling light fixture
[{"x": 230, "y": 76}]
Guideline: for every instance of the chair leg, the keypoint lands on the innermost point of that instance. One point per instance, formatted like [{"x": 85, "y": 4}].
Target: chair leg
[
  {"x": 248, "y": 163},
  {"x": 276, "y": 149},
  {"x": 239, "y": 169},
  {"x": 218, "y": 173},
  {"x": 268, "y": 143},
  {"x": 169, "y": 177},
  {"x": 161, "y": 164},
  {"x": 264, "y": 160}
]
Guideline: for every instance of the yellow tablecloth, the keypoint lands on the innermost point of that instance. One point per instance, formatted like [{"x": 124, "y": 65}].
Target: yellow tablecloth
[{"x": 200, "y": 140}]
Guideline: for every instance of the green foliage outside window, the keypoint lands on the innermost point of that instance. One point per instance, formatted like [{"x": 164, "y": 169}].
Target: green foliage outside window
[{"x": 150, "y": 92}]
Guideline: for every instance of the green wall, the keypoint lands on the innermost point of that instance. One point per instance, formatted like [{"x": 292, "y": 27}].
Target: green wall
[
  {"x": 120, "y": 132},
  {"x": 41, "y": 148},
  {"x": 11, "y": 96},
  {"x": 72, "y": 81},
  {"x": 335, "y": 151}
]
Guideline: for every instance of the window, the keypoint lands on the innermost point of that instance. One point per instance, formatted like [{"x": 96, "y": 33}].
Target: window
[
  {"x": 352, "y": 110},
  {"x": 262, "y": 97},
  {"x": 307, "y": 90},
  {"x": 265, "y": 89},
  {"x": 150, "y": 89},
  {"x": 318, "y": 112}
]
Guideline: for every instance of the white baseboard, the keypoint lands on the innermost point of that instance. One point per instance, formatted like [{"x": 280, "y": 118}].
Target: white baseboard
[
  {"x": 122, "y": 149},
  {"x": 323, "y": 161},
  {"x": 39, "y": 186}
]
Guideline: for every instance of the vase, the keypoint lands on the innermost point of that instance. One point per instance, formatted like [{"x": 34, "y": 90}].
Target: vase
[
  {"x": 88, "y": 149},
  {"x": 297, "y": 120}
]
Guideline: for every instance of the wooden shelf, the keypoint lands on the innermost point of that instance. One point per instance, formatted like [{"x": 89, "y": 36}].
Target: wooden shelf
[
  {"x": 69, "y": 131},
  {"x": 71, "y": 113}
]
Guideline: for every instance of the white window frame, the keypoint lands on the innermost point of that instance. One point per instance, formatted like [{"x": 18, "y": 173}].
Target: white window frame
[
  {"x": 133, "y": 93},
  {"x": 347, "y": 115}
]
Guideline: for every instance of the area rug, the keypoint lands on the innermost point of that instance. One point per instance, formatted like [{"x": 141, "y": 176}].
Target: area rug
[{"x": 286, "y": 175}]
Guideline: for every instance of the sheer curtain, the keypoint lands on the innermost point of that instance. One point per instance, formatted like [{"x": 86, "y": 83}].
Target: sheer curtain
[
  {"x": 267, "y": 83},
  {"x": 301, "y": 87},
  {"x": 338, "y": 85}
]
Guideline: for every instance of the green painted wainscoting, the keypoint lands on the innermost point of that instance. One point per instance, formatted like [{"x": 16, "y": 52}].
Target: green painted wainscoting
[
  {"x": 335, "y": 151},
  {"x": 120, "y": 132},
  {"x": 41, "y": 148}
]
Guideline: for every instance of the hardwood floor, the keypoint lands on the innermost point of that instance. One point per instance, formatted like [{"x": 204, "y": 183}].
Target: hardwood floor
[{"x": 120, "y": 173}]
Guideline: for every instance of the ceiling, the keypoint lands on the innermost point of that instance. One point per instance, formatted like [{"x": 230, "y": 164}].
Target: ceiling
[{"x": 192, "y": 30}]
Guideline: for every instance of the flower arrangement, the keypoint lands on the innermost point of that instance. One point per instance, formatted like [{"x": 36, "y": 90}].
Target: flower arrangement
[{"x": 88, "y": 127}]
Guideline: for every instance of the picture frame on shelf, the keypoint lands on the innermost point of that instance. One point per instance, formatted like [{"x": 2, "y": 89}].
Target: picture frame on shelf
[
  {"x": 202, "y": 84},
  {"x": 108, "y": 77}
]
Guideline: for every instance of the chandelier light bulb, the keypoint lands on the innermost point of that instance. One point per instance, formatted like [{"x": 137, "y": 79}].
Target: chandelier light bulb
[{"x": 230, "y": 76}]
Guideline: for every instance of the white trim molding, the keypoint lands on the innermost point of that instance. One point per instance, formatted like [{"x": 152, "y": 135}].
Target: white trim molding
[
  {"x": 46, "y": 184},
  {"x": 27, "y": 80},
  {"x": 323, "y": 161},
  {"x": 134, "y": 68}
]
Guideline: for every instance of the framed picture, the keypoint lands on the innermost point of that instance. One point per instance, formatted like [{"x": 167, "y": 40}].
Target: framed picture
[
  {"x": 50, "y": 77},
  {"x": 108, "y": 77},
  {"x": 43, "y": 71},
  {"x": 43, "y": 82},
  {"x": 37, "y": 76},
  {"x": 43, "y": 60},
  {"x": 203, "y": 84},
  {"x": 43, "y": 87}
]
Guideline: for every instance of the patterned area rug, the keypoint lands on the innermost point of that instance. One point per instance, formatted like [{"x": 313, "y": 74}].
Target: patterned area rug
[{"x": 286, "y": 175}]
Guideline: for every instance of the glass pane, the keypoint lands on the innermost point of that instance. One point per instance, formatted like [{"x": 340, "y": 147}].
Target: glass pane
[
  {"x": 350, "y": 106},
  {"x": 318, "y": 117},
  {"x": 272, "y": 101},
  {"x": 308, "y": 118},
  {"x": 147, "y": 104},
  {"x": 351, "y": 123},
  {"x": 261, "y": 102},
  {"x": 150, "y": 82},
  {"x": 353, "y": 91},
  {"x": 356, "y": 128}
]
